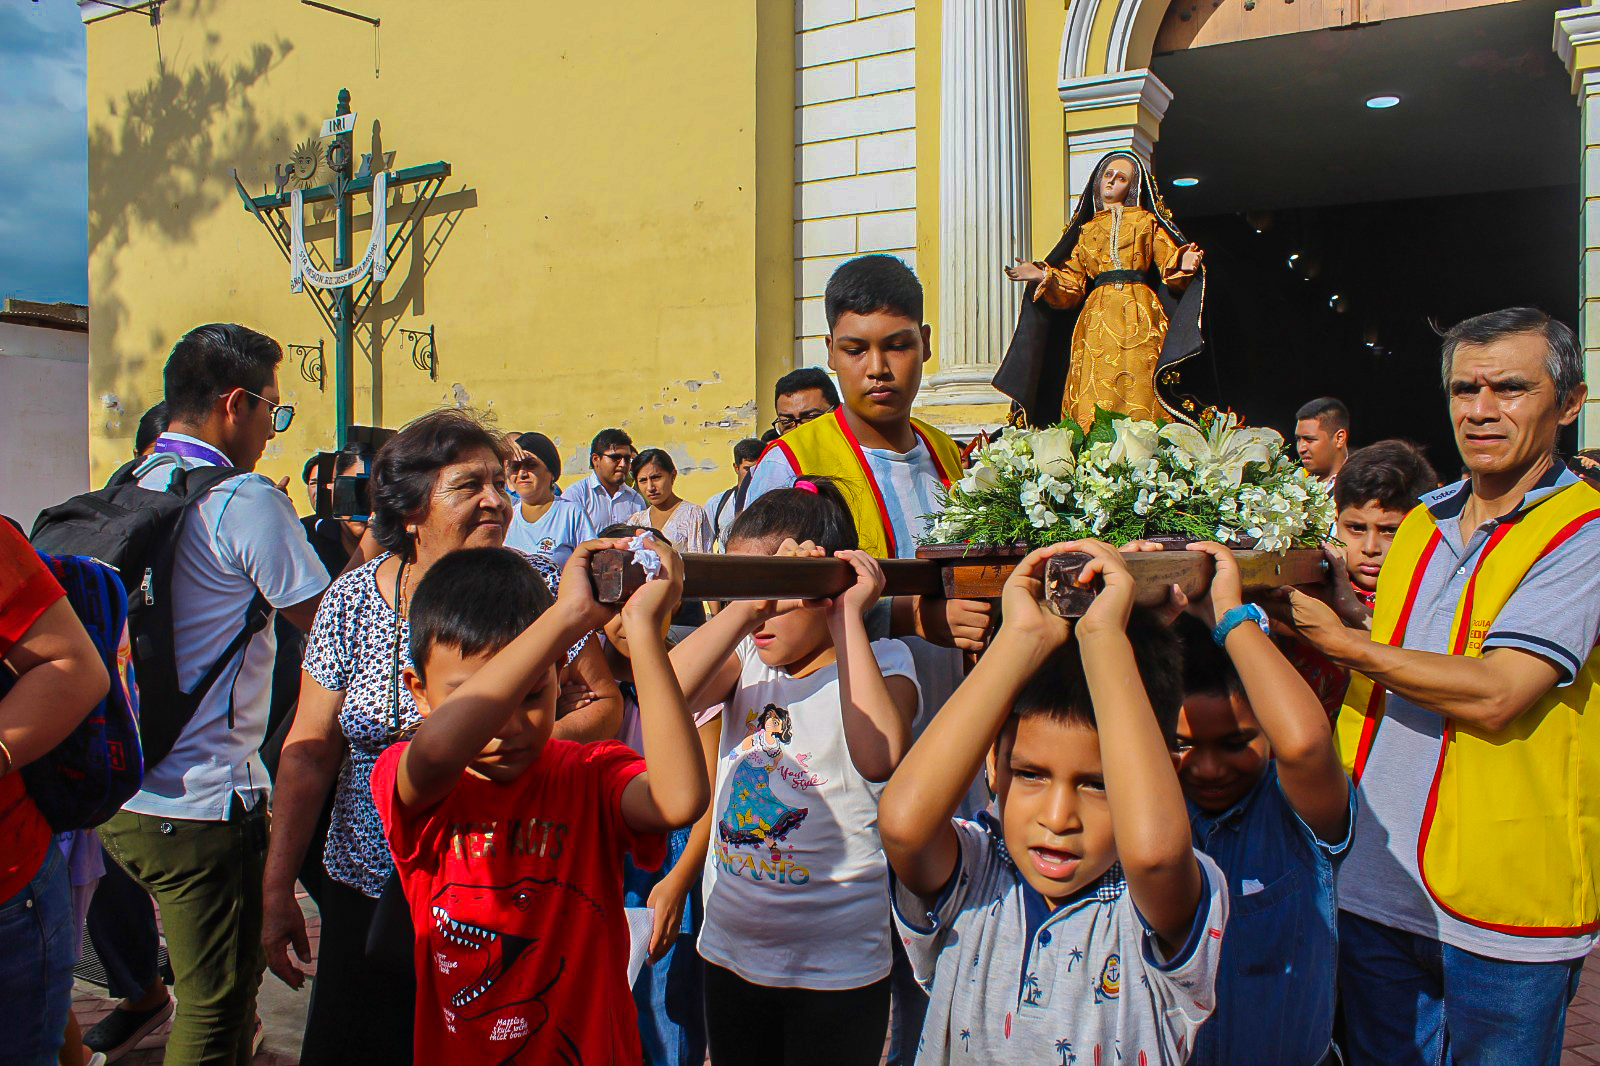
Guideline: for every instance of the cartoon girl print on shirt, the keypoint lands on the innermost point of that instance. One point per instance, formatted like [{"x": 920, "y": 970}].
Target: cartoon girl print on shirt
[{"x": 755, "y": 817}]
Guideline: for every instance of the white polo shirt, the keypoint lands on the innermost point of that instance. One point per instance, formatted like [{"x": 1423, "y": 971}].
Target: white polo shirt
[
  {"x": 243, "y": 536},
  {"x": 603, "y": 508}
]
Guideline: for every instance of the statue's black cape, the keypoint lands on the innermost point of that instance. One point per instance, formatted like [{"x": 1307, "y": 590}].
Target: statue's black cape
[{"x": 1034, "y": 371}]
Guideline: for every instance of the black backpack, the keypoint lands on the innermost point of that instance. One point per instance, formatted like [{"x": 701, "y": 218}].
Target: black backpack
[{"x": 135, "y": 531}]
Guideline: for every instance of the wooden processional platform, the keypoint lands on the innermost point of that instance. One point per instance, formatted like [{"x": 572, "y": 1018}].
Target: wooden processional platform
[{"x": 956, "y": 572}]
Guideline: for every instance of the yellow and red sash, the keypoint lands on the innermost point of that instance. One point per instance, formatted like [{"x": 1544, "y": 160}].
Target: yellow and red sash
[
  {"x": 1510, "y": 835},
  {"x": 826, "y": 447}
]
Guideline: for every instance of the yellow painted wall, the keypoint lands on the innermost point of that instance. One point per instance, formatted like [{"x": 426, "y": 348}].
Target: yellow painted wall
[
  {"x": 603, "y": 254},
  {"x": 1047, "y": 138}
]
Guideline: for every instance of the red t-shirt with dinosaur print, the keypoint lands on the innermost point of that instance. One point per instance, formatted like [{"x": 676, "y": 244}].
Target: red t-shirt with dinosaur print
[{"x": 515, "y": 894}]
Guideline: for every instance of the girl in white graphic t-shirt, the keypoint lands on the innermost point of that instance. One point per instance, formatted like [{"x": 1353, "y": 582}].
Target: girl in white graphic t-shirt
[{"x": 816, "y": 716}]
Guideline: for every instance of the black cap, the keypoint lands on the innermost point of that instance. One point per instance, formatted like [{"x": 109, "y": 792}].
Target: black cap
[{"x": 542, "y": 448}]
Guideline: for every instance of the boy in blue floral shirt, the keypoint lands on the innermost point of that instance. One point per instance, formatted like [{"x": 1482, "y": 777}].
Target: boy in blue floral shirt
[{"x": 1078, "y": 924}]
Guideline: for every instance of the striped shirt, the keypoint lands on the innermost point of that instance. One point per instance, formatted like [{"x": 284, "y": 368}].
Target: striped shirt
[{"x": 909, "y": 482}]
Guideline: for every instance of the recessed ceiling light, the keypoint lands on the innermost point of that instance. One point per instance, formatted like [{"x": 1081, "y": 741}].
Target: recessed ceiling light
[
  {"x": 1184, "y": 183},
  {"x": 1381, "y": 103}
]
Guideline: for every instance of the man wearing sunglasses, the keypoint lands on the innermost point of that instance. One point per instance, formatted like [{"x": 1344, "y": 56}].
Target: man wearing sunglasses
[
  {"x": 195, "y": 836},
  {"x": 604, "y": 495}
]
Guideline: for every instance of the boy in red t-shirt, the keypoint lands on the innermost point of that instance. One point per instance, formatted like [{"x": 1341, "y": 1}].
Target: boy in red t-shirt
[{"x": 509, "y": 843}]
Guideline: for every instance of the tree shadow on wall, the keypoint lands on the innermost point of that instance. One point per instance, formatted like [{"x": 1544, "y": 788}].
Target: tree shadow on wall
[{"x": 160, "y": 163}]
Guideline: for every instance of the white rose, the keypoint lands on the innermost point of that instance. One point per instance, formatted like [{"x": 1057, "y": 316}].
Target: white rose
[
  {"x": 1136, "y": 441},
  {"x": 1052, "y": 451}
]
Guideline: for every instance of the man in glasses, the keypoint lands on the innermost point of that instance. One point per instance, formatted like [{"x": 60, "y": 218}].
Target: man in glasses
[
  {"x": 195, "y": 837},
  {"x": 802, "y": 395},
  {"x": 604, "y": 495}
]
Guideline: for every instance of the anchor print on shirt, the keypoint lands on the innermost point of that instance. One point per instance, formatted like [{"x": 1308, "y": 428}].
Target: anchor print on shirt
[{"x": 1109, "y": 986}]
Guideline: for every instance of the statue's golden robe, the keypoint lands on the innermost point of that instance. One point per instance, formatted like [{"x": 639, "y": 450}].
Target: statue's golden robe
[{"x": 1119, "y": 332}]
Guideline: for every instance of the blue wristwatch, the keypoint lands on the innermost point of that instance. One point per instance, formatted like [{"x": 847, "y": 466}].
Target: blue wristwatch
[{"x": 1238, "y": 614}]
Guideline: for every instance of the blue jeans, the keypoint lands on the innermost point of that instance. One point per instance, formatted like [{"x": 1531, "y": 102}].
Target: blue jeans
[
  {"x": 1410, "y": 999},
  {"x": 909, "y": 1008},
  {"x": 668, "y": 993},
  {"x": 38, "y": 945}
]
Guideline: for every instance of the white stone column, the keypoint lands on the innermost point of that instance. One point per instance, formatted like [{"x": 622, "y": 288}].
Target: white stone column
[
  {"x": 1577, "y": 42},
  {"x": 983, "y": 195},
  {"x": 1109, "y": 113}
]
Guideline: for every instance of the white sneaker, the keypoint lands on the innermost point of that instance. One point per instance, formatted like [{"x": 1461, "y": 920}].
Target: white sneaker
[{"x": 97, "y": 1059}]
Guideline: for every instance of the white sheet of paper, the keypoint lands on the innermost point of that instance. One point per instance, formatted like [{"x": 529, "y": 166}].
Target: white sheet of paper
[{"x": 640, "y": 921}]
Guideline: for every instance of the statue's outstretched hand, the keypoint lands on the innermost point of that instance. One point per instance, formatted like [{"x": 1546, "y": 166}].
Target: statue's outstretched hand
[
  {"x": 1190, "y": 257},
  {"x": 1024, "y": 271}
]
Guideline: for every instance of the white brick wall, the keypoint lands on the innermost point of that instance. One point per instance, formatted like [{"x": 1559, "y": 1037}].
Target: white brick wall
[{"x": 855, "y": 146}]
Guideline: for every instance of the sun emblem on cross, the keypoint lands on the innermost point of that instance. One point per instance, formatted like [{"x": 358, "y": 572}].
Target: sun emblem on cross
[{"x": 303, "y": 163}]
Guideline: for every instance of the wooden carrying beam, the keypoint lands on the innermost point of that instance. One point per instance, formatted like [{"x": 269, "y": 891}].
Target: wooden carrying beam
[
  {"x": 756, "y": 577},
  {"x": 753, "y": 577},
  {"x": 1156, "y": 572}
]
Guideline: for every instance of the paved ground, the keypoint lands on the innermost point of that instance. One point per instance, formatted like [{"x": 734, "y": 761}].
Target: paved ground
[
  {"x": 283, "y": 1015},
  {"x": 1583, "y": 1018}
]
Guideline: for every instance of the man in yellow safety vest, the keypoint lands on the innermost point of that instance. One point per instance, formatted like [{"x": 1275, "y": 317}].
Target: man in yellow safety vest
[{"x": 1472, "y": 728}]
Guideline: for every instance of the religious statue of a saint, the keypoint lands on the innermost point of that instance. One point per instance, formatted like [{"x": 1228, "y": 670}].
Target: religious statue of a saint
[{"x": 1113, "y": 307}]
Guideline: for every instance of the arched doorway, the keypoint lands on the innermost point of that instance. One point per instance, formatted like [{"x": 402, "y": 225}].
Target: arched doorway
[{"x": 1340, "y": 231}]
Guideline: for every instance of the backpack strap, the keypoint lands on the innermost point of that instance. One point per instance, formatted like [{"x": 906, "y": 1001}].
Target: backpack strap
[
  {"x": 195, "y": 484},
  {"x": 125, "y": 472},
  {"x": 255, "y": 620}
]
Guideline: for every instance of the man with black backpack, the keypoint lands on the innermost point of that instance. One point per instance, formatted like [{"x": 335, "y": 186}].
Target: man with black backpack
[{"x": 231, "y": 552}]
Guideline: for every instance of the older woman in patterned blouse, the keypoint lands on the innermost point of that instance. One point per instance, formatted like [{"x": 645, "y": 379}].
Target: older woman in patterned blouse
[{"x": 437, "y": 486}]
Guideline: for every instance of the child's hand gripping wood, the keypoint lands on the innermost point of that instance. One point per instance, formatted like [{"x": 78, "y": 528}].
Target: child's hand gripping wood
[
  {"x": 673, "y": 790},
  {"x": 1309, "y": 770},
  {"x": 705, "y": 661},
  {"x": 459, "y": 728},
  {"x": 877, "y": 710},
  {"x": 925, "y": 791},
  {"x": 1148, "y": 818}
]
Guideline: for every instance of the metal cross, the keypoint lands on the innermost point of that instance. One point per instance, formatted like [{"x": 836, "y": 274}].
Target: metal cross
[{"x": 338, "y": 307}]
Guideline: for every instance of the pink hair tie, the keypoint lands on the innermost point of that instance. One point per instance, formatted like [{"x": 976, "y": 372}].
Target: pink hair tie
[{"x": 806, "y": 486}]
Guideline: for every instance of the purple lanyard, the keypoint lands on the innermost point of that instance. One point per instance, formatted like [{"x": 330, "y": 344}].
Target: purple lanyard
[{"x": 192, "y": 450}]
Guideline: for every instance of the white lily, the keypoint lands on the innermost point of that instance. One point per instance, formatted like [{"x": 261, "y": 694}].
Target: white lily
[
  {"x": 981, "y": 478},
  {"x": 1136, "y": 441},
  {"x": 1228, "y": 447}
]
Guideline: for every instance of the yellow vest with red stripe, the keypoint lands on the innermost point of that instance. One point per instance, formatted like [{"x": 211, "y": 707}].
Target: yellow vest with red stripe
[
  {"x": 1510, "y": 835},
  {"x": 825, "y": 447}
]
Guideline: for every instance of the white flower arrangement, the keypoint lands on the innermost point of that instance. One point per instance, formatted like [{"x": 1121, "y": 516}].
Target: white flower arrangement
[{"x": 1125, "y": 480}]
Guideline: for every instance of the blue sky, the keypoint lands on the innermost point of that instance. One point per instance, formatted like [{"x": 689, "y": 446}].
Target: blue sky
[{"x": 44, "y": 186}]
